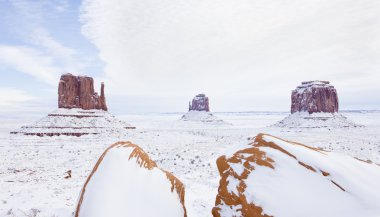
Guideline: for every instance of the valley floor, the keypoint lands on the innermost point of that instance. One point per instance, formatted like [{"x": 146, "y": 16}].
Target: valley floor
[{"x": 33, "y": 170}]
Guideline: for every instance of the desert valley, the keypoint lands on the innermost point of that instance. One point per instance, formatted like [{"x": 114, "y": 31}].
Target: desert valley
[
  {"x": 189, "y": 108},
  {"x": 217, "y": 164}
]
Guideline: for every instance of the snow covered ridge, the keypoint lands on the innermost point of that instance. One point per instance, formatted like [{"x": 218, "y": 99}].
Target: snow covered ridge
[
  {"x": 126, "y": 182},
  {"x": 275, "y": 177},
  {"x": 75, "y": 122},
  {"x": 202, "y": 116},
  {"x": 304, "y": 120}
]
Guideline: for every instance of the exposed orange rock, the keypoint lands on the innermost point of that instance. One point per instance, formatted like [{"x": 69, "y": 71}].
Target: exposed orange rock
[{"x": 244, "y": 157}]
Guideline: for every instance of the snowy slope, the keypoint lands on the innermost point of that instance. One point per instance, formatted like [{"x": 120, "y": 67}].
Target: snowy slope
[
  {"x": 202, "y": 116},
  {"x": 75, "y": 122},
  {"x": 281, "y": 178},
  {"x": 302, "y": 120},
  {"x": 126, "y": 182}
]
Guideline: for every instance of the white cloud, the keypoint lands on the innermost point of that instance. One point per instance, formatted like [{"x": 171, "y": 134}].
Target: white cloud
[
  {"x": 246, "y": 51},
  {"x": 11, "y": 99},
  {"x": 30, "y": 61},
  {"x": 45, "y": 57}
]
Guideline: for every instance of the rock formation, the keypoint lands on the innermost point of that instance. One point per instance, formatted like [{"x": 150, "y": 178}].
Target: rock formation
[
  {"x": 81, "y": 112},
  {"x": 274, "y": 177},
  {"x": 126, "y": 182},
  {"x": 199, "y": 103},
  {"x": 315, "y": 96},
  {"x": 78, "y": 92},
  {"x": 76, "y": 122}
]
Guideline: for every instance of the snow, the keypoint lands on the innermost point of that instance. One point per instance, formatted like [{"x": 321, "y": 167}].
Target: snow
[
  {"x": 202, "y": 116},
  {"x": 33, "y": 168},
  {"x": 292, "y": 190},
  {"x": 64, "y": 121},
  {"x": 307, "y": 85},
  {"x": 326, "y": 120},
  {"x": 121, "y": 187}
]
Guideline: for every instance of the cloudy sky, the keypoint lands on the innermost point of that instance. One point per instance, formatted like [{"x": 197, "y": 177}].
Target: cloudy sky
[{"x": 155, "y": 55}]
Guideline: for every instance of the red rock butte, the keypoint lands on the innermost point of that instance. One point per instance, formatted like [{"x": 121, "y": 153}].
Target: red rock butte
[
  {"x": 315, "y": 96},
  {"x": 199, "y": 103},
  {"x": 78, "y": 92}
]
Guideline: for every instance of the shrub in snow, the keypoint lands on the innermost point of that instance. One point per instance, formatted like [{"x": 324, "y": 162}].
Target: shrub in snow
[
  {"x": 126, "y": 182},
  {"x": 274, "y": 177}
]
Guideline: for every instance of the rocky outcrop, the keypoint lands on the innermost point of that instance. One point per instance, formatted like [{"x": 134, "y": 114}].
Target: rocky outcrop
[
  {"x": 232, "y": 198},
  {"x": 199, "y": 103},
  {"x": 315, "y": 96},
  {"x": 78, "y": 92},
  {"x": 275, "y": 177},
  {"x": 126, "y": 182}
]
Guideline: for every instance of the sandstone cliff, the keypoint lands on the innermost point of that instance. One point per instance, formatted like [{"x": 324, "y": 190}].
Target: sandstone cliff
[
  {"x": 78, "y": 92},
  {"x": 315, "y": 96}
]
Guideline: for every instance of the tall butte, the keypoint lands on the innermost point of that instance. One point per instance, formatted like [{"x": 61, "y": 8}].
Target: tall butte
[
  {"x": 315, "y": 96},
  {"x": 78, "y": 92}
]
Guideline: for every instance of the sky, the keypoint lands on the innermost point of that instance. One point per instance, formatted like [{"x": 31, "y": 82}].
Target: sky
[{"x": 154, "y": 56}]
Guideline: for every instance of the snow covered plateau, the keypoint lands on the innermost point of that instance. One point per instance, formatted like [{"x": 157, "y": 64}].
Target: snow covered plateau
[{"x": 43, "y": 176}]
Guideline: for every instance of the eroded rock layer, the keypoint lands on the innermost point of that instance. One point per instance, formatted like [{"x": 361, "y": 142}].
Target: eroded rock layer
[
  {"x": 78, "y": 92},
  {"x": 199, "y": 103},
  {"x": 126, "y": 182},
  {"x": 315, "y": 96},
  {"x": 76, "y": 122}
]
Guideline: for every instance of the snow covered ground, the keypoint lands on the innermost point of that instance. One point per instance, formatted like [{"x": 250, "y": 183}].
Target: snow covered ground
[{"x": 33, "y": 170}]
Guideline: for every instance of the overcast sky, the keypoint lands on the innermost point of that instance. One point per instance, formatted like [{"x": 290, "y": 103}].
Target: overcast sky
[{"x": 155, "y": 55}]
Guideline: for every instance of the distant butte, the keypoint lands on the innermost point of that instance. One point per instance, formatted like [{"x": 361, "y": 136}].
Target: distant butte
[
  {"x": 78, "y": 92},
  {"x": 199, "y": 103},
  {"x": 315, "y": 96}
]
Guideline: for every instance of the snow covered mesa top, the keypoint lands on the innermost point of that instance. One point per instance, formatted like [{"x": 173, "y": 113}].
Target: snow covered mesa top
[
  {"x": 315, "y": 96},
  {"x": 78, "y": 92}
]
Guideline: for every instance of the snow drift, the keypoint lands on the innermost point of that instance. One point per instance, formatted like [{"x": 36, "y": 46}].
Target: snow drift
[
  {"x": 126, "y": 182},
  {"x": 274, "y": 177}
]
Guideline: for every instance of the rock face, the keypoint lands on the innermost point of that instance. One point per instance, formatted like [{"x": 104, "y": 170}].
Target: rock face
[
  {"x": 274, "y": 177},
  {"x": 315, "y": 96},
  {"x": 78, "y": 92},
  {"x": 126, "y": 182},
  {"x": 199, "y": 103}
]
